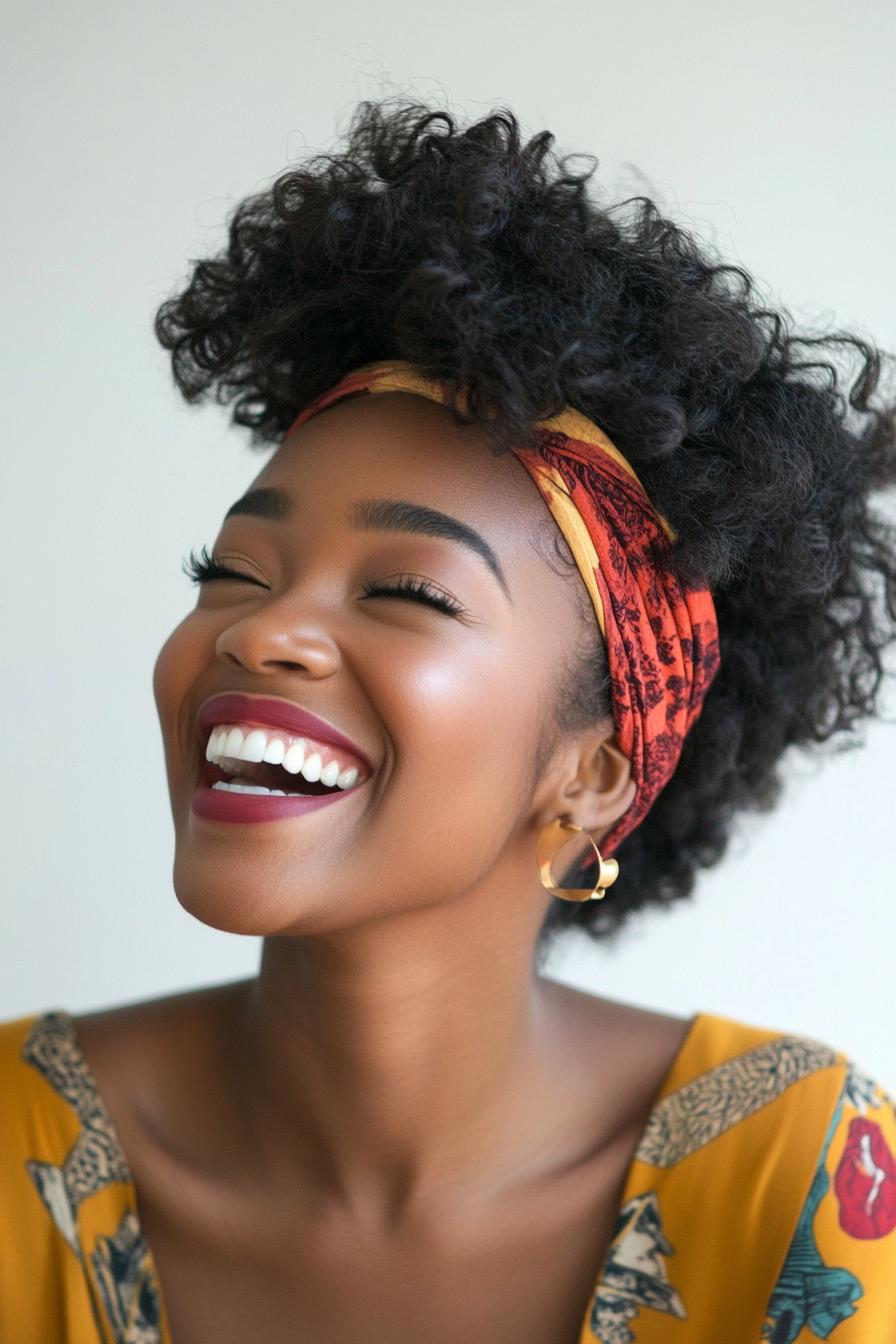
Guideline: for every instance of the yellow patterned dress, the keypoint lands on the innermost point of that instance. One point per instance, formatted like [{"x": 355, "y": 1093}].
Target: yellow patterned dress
[{"x": 760, "y": 1206}]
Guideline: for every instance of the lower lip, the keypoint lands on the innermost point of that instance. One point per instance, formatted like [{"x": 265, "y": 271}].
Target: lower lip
[{"x": 219, "y": 805}]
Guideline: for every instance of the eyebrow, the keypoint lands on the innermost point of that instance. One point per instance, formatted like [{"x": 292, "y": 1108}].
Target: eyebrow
[{"x": 385, "y": 515}]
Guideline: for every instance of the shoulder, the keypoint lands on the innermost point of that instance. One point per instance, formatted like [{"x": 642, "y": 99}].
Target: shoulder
[
  {"x": 140, "y": 1053},
  {"x": 13, "y": 1034},
  {"x": 774, "y": 1062},
  {"x": 109, "y": 1069},
  {"x": 742, "y": 1099},
  {"x": 161, "y": 1067},
  {"x": 730, "y": 1071},
  {"x": 38, "y": 1073},
  {"x": 798, "y": 1115}
]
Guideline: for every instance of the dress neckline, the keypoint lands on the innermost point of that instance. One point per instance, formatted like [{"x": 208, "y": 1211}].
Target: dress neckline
[{"x": 670, "y": 1081}]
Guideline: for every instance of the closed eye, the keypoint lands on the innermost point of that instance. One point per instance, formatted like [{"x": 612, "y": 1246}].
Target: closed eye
[
  {"x": 205, "y": 569},
  {"x": 419, "y": 590}
]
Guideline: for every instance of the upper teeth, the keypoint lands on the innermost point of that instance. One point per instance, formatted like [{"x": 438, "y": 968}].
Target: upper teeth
[{"x": 298, "y": 755}]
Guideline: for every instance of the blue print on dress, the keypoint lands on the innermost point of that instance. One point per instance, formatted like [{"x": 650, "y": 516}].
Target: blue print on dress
[{"x": 809, "y": 1292}]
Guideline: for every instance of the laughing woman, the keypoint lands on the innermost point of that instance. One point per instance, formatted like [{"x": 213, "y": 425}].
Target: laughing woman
[{"x": 563, "y": 542}]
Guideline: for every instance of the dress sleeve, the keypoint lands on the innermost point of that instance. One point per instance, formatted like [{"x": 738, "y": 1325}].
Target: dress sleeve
[{"x": 838, "y": 1280}]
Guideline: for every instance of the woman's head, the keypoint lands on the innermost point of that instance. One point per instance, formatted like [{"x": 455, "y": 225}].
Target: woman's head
[
  {"x": 483, "y": 258},
  {"x": 453, "y": 707}
]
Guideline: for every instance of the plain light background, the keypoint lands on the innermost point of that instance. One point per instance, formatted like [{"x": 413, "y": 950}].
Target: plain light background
[{"x": 129, "y": 133}]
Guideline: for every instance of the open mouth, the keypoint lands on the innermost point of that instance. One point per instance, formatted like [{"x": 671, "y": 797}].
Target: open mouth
[{"x": 260, "y": 773}]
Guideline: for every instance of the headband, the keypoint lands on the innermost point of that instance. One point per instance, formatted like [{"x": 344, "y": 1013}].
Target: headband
[{"x": 661, "y": 635}]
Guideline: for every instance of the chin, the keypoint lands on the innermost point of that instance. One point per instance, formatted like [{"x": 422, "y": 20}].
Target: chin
[
  {"x": 222, "y": 903},
  {"x": 227, "y": 916}
]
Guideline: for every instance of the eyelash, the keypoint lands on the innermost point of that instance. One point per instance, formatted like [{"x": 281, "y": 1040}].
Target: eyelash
[{"x": 205, "y": 569}]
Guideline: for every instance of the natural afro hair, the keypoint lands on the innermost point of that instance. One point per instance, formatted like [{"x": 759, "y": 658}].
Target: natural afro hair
[{"x": 484, "y": 258}]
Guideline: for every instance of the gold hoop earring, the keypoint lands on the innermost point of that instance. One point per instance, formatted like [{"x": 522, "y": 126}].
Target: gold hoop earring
[{"x": 552, "y": 838}]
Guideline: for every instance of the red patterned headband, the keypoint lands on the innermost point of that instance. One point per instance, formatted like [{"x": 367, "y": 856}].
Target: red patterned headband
[{"x": 662, "y": 638}]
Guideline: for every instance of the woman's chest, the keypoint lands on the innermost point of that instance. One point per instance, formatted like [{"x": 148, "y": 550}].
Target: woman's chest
[{"x": 527, "y": 1276}]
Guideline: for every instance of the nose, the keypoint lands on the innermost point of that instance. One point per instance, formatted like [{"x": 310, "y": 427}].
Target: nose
[{"x": 271, "y": 640}]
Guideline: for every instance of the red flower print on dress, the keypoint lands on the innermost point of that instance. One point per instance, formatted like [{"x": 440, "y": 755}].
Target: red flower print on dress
[{"x": 865, "y": 1182}]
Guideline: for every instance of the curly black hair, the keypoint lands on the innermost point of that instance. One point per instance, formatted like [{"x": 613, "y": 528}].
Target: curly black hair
[{"x": 485, "y": 259}]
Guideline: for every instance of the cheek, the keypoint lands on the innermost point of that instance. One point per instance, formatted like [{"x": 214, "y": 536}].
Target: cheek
[
  {"x": 460, "y": 724},
  {"x": 178, "y": 664}
]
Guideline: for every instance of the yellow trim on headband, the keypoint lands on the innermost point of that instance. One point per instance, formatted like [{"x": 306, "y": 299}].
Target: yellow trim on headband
[{"x": 576, "y": 534}]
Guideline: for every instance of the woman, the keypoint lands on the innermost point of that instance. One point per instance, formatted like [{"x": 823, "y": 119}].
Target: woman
[{"x": 563, "y": 541}]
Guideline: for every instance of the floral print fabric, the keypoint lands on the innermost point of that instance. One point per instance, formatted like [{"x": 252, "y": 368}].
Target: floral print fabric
[{"x": 759, "y": 1208}]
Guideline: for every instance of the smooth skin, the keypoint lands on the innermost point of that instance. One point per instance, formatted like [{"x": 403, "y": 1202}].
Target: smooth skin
[{"x": 397, "y": 1132}]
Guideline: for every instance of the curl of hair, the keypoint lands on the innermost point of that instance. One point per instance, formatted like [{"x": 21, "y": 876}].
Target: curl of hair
[{"x": 484, "y": 258}]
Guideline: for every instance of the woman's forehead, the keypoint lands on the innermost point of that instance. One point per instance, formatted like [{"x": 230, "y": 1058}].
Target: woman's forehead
[{"x": 399, "y": 445}]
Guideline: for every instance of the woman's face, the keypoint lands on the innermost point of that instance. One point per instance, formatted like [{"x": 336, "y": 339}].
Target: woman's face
[{"x": 449, "y": 709}]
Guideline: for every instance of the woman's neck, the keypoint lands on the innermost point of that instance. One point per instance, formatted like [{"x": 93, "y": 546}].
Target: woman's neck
[{"x": 398, "y": 1062}]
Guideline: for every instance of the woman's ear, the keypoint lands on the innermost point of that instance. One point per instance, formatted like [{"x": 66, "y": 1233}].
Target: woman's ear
[{"x": 593, "y": 786}]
